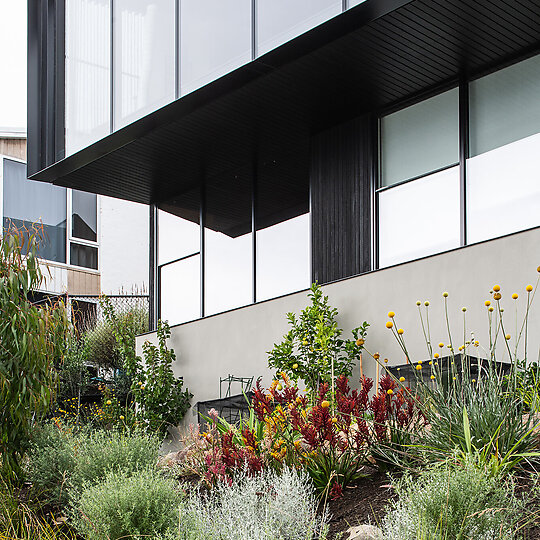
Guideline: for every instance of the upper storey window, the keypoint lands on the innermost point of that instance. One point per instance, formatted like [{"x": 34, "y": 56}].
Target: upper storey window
[
  {"x": 279, "y": 21},
  {"x": 503, "y": 170},
  {"x": 88, "y": 72},
  {"x": 419, "y": 195},
  {"x": 215, "y": 38},
  {"x": 144, "y": 57}
]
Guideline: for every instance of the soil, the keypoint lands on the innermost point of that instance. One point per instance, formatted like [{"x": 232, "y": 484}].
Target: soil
[{"x": 361, "y": 504}]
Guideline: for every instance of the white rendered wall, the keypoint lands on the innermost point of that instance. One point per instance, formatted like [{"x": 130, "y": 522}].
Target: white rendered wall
[
  {"x": 123, "y": 247},
  {"x": 236, "y": 342}
]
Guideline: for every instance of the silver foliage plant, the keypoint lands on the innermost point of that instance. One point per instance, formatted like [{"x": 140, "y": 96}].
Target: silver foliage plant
[{"x": 269, "y": 506}]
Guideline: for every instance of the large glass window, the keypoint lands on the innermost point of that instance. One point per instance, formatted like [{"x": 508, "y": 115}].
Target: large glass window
[
  {"x": 283, "y": 232},
  {"x": 420, "y": 139},
  {"x": 419, "y": 218},
  {"x": 419, "y": 195},
  {"x": 228, "y": 243},
  {"x": 144, "y": 57},
  {"x": 503, "y": 171},
  {"x": 179, "y": 247},
  {"x": 31, "y": 205},
  {"x": 215, "y": 38},
  {"x": 84, "y": 215},
  {"x": 279, "y": 21},
  {"x": 88, "y": 72}
]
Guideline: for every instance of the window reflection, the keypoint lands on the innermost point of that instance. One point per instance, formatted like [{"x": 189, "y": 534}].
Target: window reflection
[
  {"x": 228, "y": 243},
  {"x": 85, "y": 256},
  {"x": 180, "y": 298},
  {"x": 215, "y": 38},
  {"x": 27, "y": 202},
  {"x": 88, "y": 67},
  {"x": 84, "y": 215},
  {"x": 420, "y": 139},
  {"x": 144, "y": 43},
  {"x": 419, "y": 218},
  {"x": 279, "y": 21}
]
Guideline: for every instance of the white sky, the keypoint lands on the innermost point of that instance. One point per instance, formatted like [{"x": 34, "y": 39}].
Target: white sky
[{"x": 13, "y": 63}]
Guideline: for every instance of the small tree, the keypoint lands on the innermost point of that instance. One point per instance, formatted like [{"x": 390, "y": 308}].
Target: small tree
[
  {"x": 31, "y": 337},
  {"x": 313, "y": 350}
]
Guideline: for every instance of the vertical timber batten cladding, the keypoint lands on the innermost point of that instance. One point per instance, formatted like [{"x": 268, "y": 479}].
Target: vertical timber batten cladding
[{"x": 342, "y": 171}]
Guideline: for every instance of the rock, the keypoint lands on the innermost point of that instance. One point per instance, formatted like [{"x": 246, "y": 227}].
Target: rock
[{"x": 364, "y": 532}]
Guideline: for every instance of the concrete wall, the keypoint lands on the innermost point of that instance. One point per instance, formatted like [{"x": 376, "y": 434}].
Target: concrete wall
[{"x": 236, "y": 342}]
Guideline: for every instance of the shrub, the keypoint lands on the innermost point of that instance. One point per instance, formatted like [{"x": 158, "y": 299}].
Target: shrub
[
  {"x": 313, "y": 350},
  {"x": 32, "y": 337},
  {"x": 144, "y": 504},
  {"x": 63, "y": 462},
  {"x": 453, "y": 503},
  {"x": 267, "y": 506}
]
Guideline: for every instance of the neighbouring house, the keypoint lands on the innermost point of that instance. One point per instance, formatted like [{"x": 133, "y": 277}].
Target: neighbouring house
[
  {"x": 90, "y": 244},
  {"x": 388, "y": 149}
]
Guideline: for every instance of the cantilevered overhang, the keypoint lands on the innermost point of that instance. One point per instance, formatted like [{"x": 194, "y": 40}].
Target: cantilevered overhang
[{"x": 371, "y": 57}]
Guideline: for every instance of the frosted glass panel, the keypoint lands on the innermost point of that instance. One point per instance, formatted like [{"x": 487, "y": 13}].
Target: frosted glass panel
[
  {"x": 180, "y": 290},
  {"x": 419, "y": 218},
  {"x": 283, "y": 258},
  {"x": 505, "y": 106},
  {"x": 144, "y": 56},
  {"x": 420, "y": 139},
  {"x": 215, "y": 38},
  {"x": 279, "y": 21},
  {"x": 88, "y": 55},
  {"x": 503, "y": 190}
]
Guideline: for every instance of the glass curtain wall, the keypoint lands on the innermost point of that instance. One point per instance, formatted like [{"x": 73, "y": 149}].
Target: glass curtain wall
[
  {"x": 419, "y": 195},
  {"x": 503, "y": 169},
  {"x": 87, "y": 72},
  {"x": 179, "y": 259},
  {"x": 35, "y": 206},
  {"x": 215, "y": 38},
  {"x": 144, "y": 57},
  {"x": 279, "y": 21}
]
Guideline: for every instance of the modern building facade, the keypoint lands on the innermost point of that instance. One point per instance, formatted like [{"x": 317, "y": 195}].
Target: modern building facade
[{"x": 377, "y": 147}]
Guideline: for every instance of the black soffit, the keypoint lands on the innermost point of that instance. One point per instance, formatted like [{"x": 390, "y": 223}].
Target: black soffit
[{"x": 377, "y": 54}]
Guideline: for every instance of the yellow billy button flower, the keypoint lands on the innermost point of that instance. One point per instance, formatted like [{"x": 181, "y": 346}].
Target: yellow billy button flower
[
  {"x": 325, "y": 404},
  {"x": 376, "y": 356},
  {"x": 464, "y": 309},
  {"x": 441, "y": 344},
  {"x": 487, "y": 303},
  {"x": 360, "y": 342},
  {"x": 460, "y": 348},
  {"x": 430, "y": 363},
  {"x": 490, "y": 309},
  {"x": 304, "y": 342},
  {"x": 389, "y": 324},
  {"x": 279, "y": 387},
  {"x": 389, "y": 391},
  {"x": 401, "y": 331},
  {"x": 109, "y": 402},
  {"x": 507, "y": 337},
  {"x": 295, "y": 366},
  {"x": 121, "y": 417},
  {"x": 420, "y": 362},
  {"x": 445, "y": 294},
  {"x": 391, "y": 314},
  {"x": 515, "y": 296},
  {"x": 497, "y": 296},
  {"x": 496, "y": 288},
  {"x": 454, "y": 378},
  {"x": 433, "y": 377},
  {"x": 418, "y": 303},
  {"x": 538, "y": 269},
  {"x": 334, "y": 420},
  {"x": 436, "y": 355},
  {"x": 529, "y": 288},
  {"x": 426, "y": 303},
  {"x": 418, "y": 367},
  {"x": 386, "y": 360},
  {"x": 402, "y": 379},
  {"x": 474, "y": 380}
]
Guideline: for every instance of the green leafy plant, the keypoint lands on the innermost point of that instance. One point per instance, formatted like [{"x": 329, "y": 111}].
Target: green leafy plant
[
  {"x": 31, "y": 338},
  {"x": 313, "y": 350},
  {"x": 144, "y": 504},
  {"x": 454, "y": 502}
]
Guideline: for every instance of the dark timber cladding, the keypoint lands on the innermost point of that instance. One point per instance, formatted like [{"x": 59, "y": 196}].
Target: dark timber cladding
[{"x": 341, "y": 175}]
